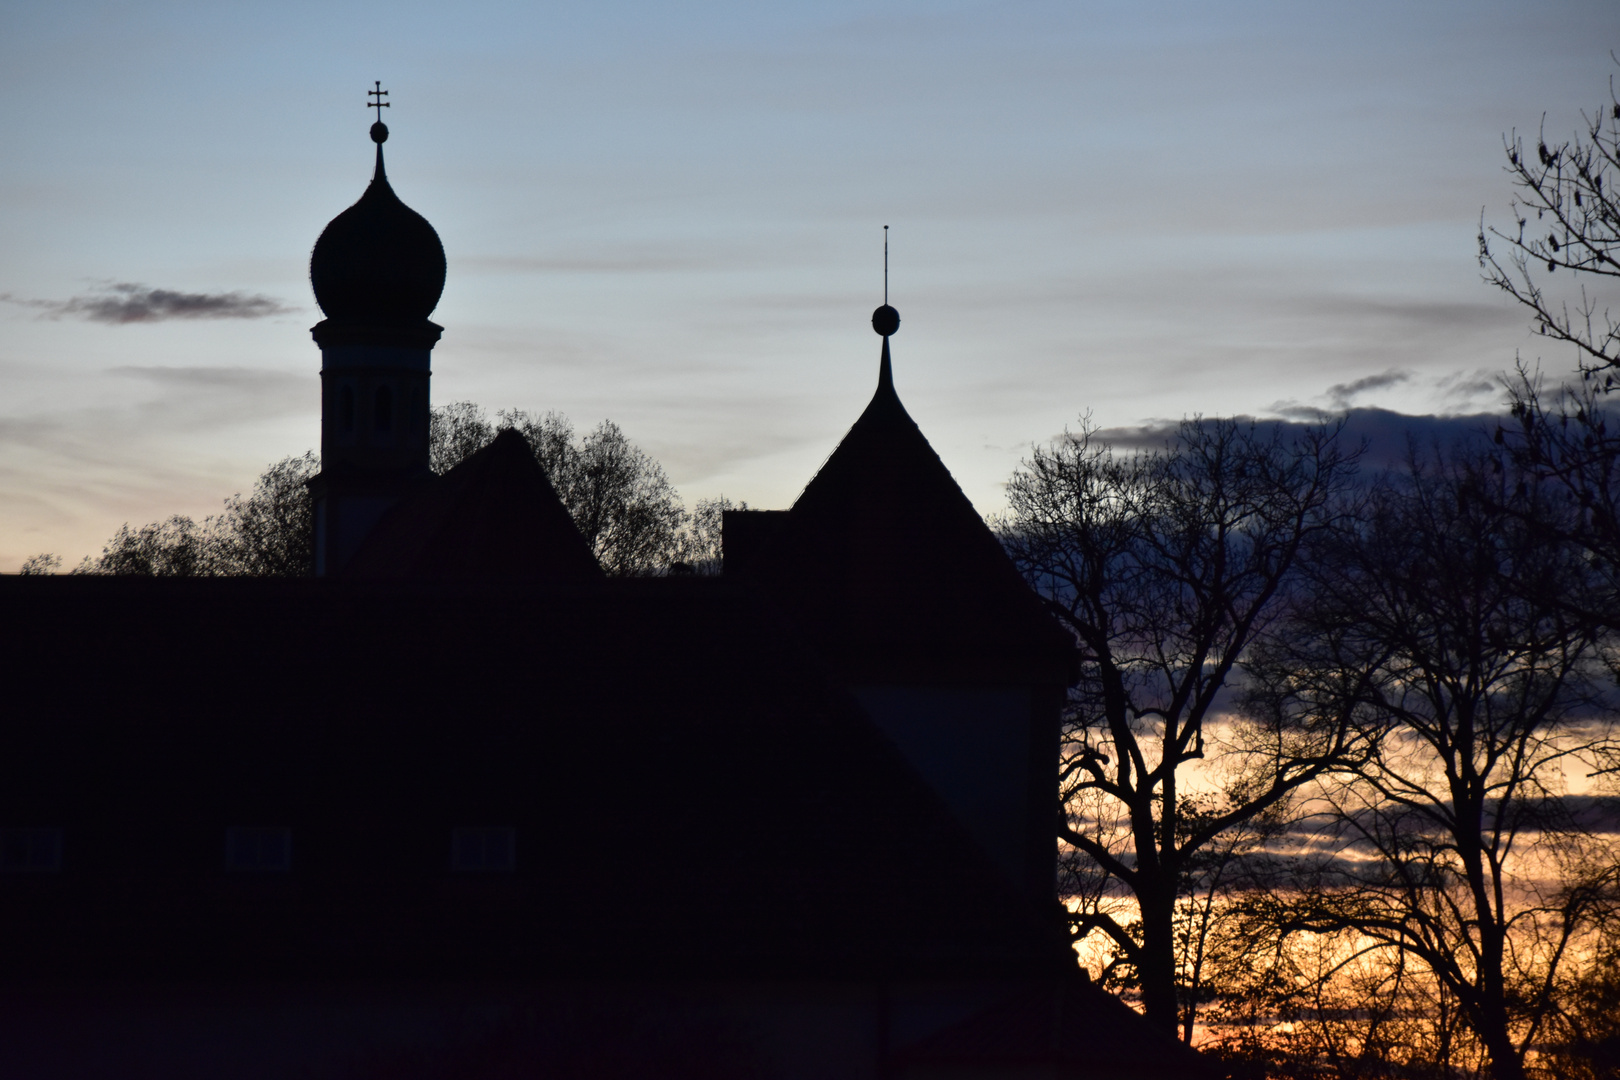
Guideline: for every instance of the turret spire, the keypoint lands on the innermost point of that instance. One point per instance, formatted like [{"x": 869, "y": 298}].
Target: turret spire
[
  {"x": 379, "y": 130},
  {"x": 885, "y": 320}
]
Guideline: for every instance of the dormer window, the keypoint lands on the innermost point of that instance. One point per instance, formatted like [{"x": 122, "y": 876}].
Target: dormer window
[
  {"x": 30, "y": 851},
  {"x": 385, "y": 410},
  {"x": 483, "y": 849},
  {"x": 258, "y": 850}
]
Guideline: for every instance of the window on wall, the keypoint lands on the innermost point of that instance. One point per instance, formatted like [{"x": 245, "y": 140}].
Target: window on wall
[
  {"x": 385, "y": 409},
  {"x": 30, "y": 851},
  {"x": 258, "y": 850},
  {"x": 346, "y": 409},
  {"x": 483, "y": 849}
]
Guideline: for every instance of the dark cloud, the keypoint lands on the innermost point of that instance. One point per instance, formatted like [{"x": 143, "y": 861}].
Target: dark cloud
[
  {"x": 1342, "y": 393},
  {"x": 124, "y": 302},
  {"x": 1388, "y": 434},
  {"x": 1468, "y": 384}
]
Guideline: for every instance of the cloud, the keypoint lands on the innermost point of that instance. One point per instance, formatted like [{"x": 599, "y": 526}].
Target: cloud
[
  {"x": 250, "y": 381},
  {"x": 189, "y": 400},
  {"x": 125, "y": 302},
  {"x": 1342, "y": 393},
  {"x": 1470, "y": 384},
  {"x": 1388, "y": 434},
  {"x": 1460, "y": 389},
  {"x": 587, "y": 264}
]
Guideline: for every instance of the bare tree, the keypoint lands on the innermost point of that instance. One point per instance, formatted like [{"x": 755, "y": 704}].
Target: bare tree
[
  {"x": 455, "y": 432},
  {"x": 1168, "y": 567},
  {"x": 178, "y": 547},
  {"x": 699, "y": 543},
  {"x": 1301, "y": 1006},
  {"x": 1585, "y": 1043},
  {"x": 1563, "y": 443},
  {"x": 1566, "y": 217},
  {"x": 270, "y": 533},
  {"x": 1214, "y": 956},
  {"x": 1564, "y": 246},
  {"x": 619, "y": 497},
  {"x": 624, "y": 505},
  {"x": 1443, "y": 628}
]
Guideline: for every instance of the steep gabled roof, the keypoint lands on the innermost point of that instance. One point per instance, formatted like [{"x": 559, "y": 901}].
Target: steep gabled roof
[
  {"x": 883, "y": 555},
  {"x": 495, "y": 515}
]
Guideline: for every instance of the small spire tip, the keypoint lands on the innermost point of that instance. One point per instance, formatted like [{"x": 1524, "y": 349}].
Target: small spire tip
[
  {"x": 374, "y": 100},
  {"x": 886, "y": 320}
]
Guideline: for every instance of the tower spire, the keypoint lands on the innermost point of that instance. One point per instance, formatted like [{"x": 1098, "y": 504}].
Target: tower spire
[
  {"x": 885, "y": 320},
  {"x": 379, "y": 130},
  {"x": 379, "y": 104},
  {"x": 377, "y": 272}
]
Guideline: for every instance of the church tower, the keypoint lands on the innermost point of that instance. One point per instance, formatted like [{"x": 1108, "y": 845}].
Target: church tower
[{"x": 377, "y": 272}]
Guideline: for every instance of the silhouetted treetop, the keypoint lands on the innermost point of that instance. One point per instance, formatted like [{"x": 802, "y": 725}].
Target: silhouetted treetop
[
  {"x": 618, "y": 496},
  {"x": 1566, "y": 217}
]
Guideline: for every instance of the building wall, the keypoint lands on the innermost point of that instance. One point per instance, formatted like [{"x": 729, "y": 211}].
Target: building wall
[
  {"x": 361, "y": 1031},
  {"x": 973, "y": 745}
]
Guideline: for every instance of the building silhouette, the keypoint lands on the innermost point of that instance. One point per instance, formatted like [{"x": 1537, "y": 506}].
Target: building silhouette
[{"x": 463, "y": 806}]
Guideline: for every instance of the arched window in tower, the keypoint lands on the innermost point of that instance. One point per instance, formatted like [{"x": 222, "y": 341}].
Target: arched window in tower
[
  {"x": 384, "y": 421},
  {"x": 346, "y": 409},
  {"x": 412, "y": 424}
]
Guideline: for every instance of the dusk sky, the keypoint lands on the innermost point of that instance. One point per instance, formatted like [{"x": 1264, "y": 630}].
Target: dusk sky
[{"x": 672, "y": 216}]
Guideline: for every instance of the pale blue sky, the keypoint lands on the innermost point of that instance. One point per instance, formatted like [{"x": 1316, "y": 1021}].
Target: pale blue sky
[{"x": 671, "y": 216}]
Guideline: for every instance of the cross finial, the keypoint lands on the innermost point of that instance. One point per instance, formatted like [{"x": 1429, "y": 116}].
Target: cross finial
[
  {"x": 379, "y": 93},
  {"x": 885, "y": 261}
]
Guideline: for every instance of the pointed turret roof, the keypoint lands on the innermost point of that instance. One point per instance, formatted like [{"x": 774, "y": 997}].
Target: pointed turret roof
[{"x": 890, "y": 566}]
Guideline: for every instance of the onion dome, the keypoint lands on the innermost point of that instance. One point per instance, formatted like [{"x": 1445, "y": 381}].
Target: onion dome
[{"x": 379, "y": 261}]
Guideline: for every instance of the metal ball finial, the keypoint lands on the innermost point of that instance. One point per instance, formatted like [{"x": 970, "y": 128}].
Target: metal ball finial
[
  {"x": 374, "y": 100},
  {"x": 886, "y": 320}
]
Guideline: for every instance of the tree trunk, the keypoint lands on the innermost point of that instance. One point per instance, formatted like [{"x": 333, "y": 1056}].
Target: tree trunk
[
  {"x": 1506, "y": 1064},
  {"x": 1505, "y": 1061},
  {"x": 1157, "y": 969}
]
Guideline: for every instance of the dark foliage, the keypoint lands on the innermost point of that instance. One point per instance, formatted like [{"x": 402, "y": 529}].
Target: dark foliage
[{"x": 618, "y": 496}]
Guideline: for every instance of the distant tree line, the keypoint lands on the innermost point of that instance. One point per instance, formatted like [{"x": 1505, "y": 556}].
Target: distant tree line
[
  {"x": 624, "y": 505},
  {"x": 1340, "y": 786}
]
